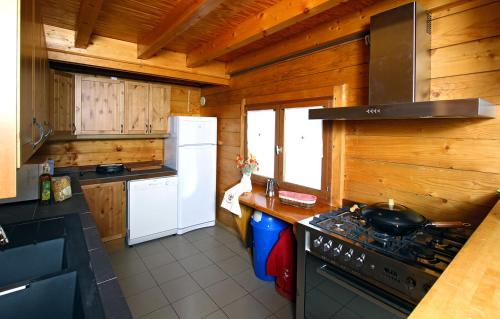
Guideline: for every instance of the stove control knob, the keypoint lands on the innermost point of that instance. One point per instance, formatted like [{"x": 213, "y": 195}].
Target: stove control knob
[
  {"x": 317, "y": 242},
  {"x": 327, "y": 246},
  {"x": 337, "y": 250},
  {"x": 359, "y": 261},
  {"x": 410, "y": 283},
  {"x": 348, "y": 255}
]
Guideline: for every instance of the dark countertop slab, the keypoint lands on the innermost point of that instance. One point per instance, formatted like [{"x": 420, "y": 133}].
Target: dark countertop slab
[{"x": 99, "y": 286}]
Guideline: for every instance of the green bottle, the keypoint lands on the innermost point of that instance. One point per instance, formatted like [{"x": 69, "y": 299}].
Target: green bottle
[{"x": 45, "y": 185}]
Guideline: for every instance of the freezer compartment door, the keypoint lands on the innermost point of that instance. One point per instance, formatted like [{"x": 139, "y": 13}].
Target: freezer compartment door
[
  {"x": 196, "y": 130},
  {"x": 197, "y": 171},
  {"x": 152, "y": 206}
]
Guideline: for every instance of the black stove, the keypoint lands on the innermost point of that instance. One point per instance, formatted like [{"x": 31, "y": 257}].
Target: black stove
[{"x": 397, "y": 269}]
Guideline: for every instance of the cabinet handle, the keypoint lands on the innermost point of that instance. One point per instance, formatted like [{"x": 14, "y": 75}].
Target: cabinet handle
[
  {"x": 150, "y": 129},
  {"x": 146, "y": 129},
  {"x": 73, "y": 128},
  {"x": 49, "y": 131},
  {"x": 121, "y": 128},
  {"x": 42, "y": 133}
]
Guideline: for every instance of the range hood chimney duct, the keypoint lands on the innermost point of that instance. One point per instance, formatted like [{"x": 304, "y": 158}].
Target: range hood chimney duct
[{"x": 399, "y": 74}]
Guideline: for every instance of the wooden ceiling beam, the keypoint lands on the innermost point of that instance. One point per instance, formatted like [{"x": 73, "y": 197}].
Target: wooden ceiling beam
[
  {"x": 273, "y": 19},
  {"x": 87, "y": 17},
  {"x": 181, "y": 18}
]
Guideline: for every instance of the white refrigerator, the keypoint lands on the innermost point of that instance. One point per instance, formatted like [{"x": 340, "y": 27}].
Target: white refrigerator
[{"x": 191, "y": 149}]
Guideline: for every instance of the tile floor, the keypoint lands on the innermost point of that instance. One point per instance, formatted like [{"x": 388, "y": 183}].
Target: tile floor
[{"x": 206, "y": 273}]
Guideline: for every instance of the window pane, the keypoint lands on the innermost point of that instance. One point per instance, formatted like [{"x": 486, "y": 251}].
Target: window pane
[
  {"x": 303, "y": 148},
  {"x": 261, "y": 139}
]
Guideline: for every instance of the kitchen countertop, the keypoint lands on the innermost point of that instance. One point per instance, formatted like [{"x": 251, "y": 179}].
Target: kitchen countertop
[
  {"x": 470, "y": 285},
  {"x": 257, "y": 199},
  {"x": 99, "y": 279}
]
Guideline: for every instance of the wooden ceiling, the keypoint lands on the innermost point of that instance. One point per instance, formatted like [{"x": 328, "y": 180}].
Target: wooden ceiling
[{"x": 203, "y": 29}]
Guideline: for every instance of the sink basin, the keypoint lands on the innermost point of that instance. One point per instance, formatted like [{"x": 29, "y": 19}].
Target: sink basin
[
  {"x": 31, "y": 261},
  {"x": 52, "y": 297}
]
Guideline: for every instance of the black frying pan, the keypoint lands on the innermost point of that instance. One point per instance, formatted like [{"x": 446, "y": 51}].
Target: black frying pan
[{"x": 398, "y": 220}]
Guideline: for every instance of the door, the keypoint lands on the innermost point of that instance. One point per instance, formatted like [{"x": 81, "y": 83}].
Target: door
[
  {"x": 136, "y": 107},
  {"x": 159, "y": 108},
  {"x": 99, "y": 105},
  {"x": 107, "y": 204},
  {"x": 197, "y": 173},
  {"x": 62, "y": 102},
  {"x": 152, "y": 208},
  {"x": 197, "y": 130}
]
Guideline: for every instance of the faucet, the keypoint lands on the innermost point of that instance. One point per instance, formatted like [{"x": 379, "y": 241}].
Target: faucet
[{"x": 3, "y": 237}]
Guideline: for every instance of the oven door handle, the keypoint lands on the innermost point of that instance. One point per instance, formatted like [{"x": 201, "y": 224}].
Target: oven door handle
[{"x": 325, "y": 272}]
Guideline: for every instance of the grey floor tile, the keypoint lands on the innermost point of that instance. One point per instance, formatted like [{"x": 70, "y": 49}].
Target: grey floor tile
[
  {"x": 154, "y": 261},
  {"x": 173, "y": 241},
  {"x": 135, "y": 284},
  {"x": 207, "y": 243},
  {"x": 208, "y": 275},
  {"x": 183, "y": 250},
  {"x": 179, "y": 288},
  {"x": 219, "y": 253},
  {"x": 124, "y": 255},
  {"x": 149, "y": 248},
  {"x": 233, "y": 265},
  {"x": 237, "y": 246},
  {"x": 272, "y": 317},
  {"x": 146, "y": 302},
  {"x": 196, "y": 235},
  {"x": 287, "y": 312},
  {"x": 128, "y": 268},
  {"x": 163, "y": 313},
  {"x": 249, "y": 281},
  {"x": 247, "y": 257},
  {"x": 246, "y": 308},
  {"x": 195, "y": 262},
  {"x": 269, "y": 297},
  {"x": 115, "y": 246},
  {"x": 168, "y": 272},
  {"x": 224, "y": 236},
  {"x": 225, "y": 292},
  {"x": 195, "y": 306},
  {"x": 219, "y": 314}
]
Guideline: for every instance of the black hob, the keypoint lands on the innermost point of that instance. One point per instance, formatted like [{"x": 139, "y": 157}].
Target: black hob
[{"x": 403, "y": 265}]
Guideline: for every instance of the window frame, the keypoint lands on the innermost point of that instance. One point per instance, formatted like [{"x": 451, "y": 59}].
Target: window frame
[{"x": 279, "y": 108}]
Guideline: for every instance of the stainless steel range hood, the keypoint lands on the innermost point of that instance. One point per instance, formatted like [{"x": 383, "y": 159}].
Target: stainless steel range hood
[{"x": 399, "y": 85}]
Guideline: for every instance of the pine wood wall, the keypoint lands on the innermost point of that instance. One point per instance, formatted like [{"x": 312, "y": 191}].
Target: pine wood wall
[{"x": 445, "y": 169}]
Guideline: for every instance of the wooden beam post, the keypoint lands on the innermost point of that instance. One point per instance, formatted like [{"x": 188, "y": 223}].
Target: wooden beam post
[
  {"x": 181, "y": 18},
  {"x": 338, "y": 144},
  {"x": 273, "y": 19},
  {"x": 87, "y": 17}
]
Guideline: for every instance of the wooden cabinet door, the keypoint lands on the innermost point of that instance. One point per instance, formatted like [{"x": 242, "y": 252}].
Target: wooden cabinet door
[
  {"x": 136, "y": 107},
  {"x": 62, "y": 102},
  {"x": 180, "y": 100},
  {"x": 99, "y": 105},
  {"x": 26, "y": 103},
  {"x": 107, "y": 204},
  {"x": 159, "y": 108}
]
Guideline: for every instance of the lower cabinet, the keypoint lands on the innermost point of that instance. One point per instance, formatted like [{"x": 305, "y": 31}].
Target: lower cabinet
[{"x": 107, "y": 202}]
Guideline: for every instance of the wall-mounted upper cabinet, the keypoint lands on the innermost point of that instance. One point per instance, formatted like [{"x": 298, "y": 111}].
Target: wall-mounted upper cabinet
[
  {"x": 136, "y": 107},
  {"x": 99, "y": 105},
  {"x": 159, "y": 108},
  {"x": 62, "y": 105}
]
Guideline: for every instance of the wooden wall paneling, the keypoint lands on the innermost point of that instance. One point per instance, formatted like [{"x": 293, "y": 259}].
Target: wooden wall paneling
[
  {"x": 107, "y": 205},
  {"x": 159, "y": 107},
  {"x": 136, "y": 107},
  {"x": 93, "y": 152},
  {"x": 87, "y": 17},
  {"x": 120, "y": 55},
  {"x": 336, "y": 183}
]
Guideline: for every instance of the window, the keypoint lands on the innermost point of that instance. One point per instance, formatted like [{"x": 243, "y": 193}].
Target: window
[{"x": 289, "y": 147}]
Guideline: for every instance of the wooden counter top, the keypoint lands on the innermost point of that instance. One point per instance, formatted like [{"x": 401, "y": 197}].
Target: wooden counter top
[
  {"x": 470, "y": 285},
  {"x": 257, "y": 199}
]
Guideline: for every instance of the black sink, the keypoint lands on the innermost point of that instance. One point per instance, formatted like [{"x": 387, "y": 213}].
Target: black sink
[
  {"x": 31, "y": 261},
  {"x": 52, "y": 297}
]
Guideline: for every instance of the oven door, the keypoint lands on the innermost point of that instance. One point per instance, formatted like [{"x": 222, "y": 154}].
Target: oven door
[{"x": 333, "y": 293}]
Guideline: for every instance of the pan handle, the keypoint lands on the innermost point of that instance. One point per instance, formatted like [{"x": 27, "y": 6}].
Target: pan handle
[{"x": 448, "y": 224}]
